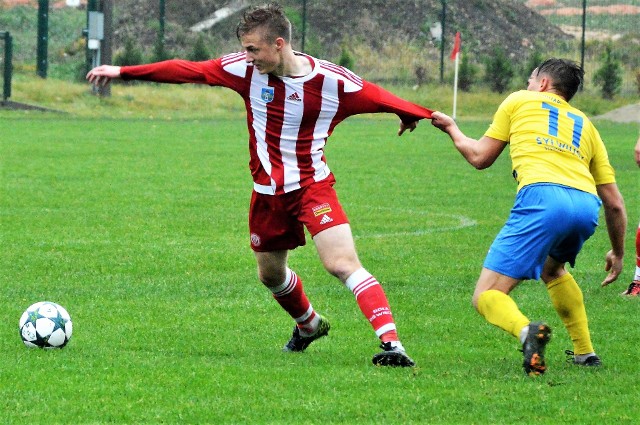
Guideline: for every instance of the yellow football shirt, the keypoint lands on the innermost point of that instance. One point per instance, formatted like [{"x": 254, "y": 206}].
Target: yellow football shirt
[{"x": 551, "y": 142}]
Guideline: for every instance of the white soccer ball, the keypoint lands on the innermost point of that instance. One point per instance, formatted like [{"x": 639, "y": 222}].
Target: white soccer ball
[{"x": 45, "y": 325}]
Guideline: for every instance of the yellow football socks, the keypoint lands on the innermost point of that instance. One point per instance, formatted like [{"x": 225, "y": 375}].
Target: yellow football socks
[
  {"x": 568, "y": 301},
  {"x": 500, "y": 310}
]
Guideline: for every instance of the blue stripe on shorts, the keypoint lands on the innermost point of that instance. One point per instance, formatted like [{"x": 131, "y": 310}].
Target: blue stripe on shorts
[{"x": 546, "y": 220}]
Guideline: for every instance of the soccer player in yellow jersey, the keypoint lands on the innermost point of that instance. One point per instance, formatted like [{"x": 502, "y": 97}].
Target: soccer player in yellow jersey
[{"x": 563, "y": 173}]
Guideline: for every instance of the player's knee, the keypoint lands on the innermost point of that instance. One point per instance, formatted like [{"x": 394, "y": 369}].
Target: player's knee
[
  {"x": 270, "y": 277},
  {"x": 474, "y": 301},
  {"x": 552, "y": 270},
  {"x": 551, "y": 275},
  {"x": 338, "y": 271},
  {"x": 342, "y": 268}
]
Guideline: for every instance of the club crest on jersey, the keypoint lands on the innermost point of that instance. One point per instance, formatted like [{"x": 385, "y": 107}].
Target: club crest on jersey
[{"x": 267, "y": 94}]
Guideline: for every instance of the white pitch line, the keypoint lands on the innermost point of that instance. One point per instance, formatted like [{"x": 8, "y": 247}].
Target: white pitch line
[{"x": 463, "y": 222}]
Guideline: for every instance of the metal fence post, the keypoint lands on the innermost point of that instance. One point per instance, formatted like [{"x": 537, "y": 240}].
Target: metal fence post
[
  {"x": 304, "y": 23},
  {"x": 443, "y": 23},
  {"x": 584, "y": 30},
  {"x": 43, "y": 38},
  {"x": 8, "y": 65},
  {"x": 107, "y": 43}
]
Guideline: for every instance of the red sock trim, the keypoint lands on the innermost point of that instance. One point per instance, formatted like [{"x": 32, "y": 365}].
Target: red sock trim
[{"x": 294, "y": 301}]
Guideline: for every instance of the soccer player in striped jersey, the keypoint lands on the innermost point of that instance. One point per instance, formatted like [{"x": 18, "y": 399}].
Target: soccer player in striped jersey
[
  {"x": 634, "y": 287},
  {"x": 293, "y": 102},
  {"x": 563, "y": 173}
]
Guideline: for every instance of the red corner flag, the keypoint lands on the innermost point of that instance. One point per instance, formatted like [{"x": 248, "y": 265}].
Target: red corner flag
[{"x": 456, "y": 47}]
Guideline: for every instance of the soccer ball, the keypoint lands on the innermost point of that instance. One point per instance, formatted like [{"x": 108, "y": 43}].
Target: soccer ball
[{"x": 45, "y": 325}]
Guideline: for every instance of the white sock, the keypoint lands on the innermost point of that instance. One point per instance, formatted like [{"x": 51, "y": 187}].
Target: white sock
[
  {"x": 397, "y": 344},
  {"x": 582, "y": 357},
  {"x": 637, "y": 276},
  {"x": 313, "y": 324},
  {"x": 523, "y": 334}
]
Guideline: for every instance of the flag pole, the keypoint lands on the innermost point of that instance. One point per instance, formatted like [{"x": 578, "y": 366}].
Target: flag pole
[
  {"x": 455, "y": 86},
  {"x": 455, "y": 56}
]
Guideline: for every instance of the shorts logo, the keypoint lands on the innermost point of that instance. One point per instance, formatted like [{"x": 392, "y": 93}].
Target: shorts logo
[
  {"x": 267, "y": 94},
  {"x": 321, "y": 209},
  {"x": 326, "y": 219},
  {"x": 255, "y": 240}
]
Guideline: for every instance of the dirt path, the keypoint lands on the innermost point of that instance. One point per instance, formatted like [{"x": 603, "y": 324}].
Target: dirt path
[{"x": 629, "y": 113}]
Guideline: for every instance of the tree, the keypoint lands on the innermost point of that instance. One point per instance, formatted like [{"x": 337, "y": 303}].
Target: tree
[
  {"x": 200, "y": 51},
  {"x": 130, "y": 55},
  {"x": 498, "y": 70},
  {"x": 534, "y": 59},
  {"x": 346, "y": 59},
  {"x": 159, "y": 51},
  {"x": 609, "y": 75},
  {"x": 467, "y": 72}
]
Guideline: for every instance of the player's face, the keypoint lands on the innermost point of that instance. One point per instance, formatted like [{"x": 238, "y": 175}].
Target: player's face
[
  {"x": 534, "y": 81},
  {"x": 264, "y": 55}
]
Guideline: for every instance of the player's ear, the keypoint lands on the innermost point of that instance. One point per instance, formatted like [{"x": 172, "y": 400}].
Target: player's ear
[
  {"x": 280, "y": 43},
  {"x": 545, "y": 84}
]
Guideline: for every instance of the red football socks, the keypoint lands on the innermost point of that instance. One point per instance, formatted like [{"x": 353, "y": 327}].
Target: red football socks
[
  {"x": 373, "y": 304},
  {"x": 291, "y": 297}
]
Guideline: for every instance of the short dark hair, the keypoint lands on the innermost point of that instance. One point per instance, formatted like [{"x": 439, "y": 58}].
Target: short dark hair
[
  {"x": 271, "y": 17},
  {"x": 567, "y": 75}
]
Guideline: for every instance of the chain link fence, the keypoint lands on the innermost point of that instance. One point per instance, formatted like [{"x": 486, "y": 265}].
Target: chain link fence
[{"x": 596, "y": 25}]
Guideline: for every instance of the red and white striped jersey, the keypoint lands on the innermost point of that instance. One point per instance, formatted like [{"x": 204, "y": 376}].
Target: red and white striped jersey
[{"x": 289, "y": 118}]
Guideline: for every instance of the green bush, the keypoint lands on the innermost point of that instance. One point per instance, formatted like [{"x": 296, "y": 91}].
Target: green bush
[
  {"x": 609, "y": 76},
  {"x": 346, "y": 59},
  {"x": 467, "y": 73},
  {"x": 199, "y": 51},
  {"x": 534, "y": 59},
  {"x": 160, "y": 53},
  {"x": 498, "y": 70},
  {"x": 130, "y": 55}
]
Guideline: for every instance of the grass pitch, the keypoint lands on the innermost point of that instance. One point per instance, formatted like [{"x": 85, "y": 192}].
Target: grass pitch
[{"x": 139, "y": 229}]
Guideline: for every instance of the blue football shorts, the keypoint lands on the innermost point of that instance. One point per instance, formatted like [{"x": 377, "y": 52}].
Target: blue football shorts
[{"x": 546, "y": 220}]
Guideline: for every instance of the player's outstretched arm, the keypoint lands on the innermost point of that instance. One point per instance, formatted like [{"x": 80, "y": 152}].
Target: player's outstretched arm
[
  {"x": 102, "y": 74},
  {"x": 616, "y": 217},
  {"x": 637, "y": 152},
  {"x": 374, "y": 99},
  {"x": 479, "y": 153}
]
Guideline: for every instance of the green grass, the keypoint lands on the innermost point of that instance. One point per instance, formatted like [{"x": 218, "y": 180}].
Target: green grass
[
  {"x": 138, "y": 227},
  {"x": 171, "y": 102}
]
